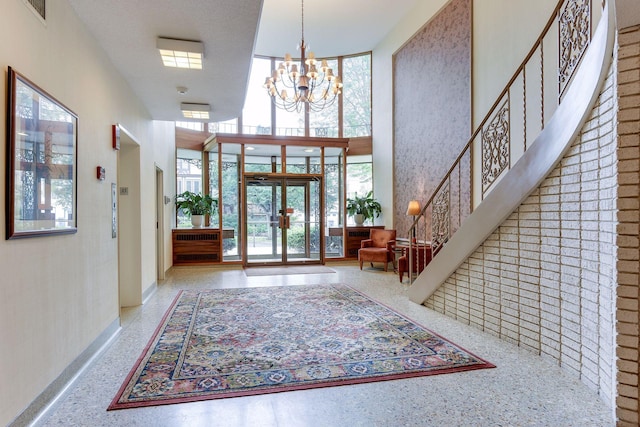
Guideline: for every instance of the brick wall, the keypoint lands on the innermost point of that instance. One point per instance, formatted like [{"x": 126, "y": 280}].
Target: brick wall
[
  {"x": 546, "y": 278},
  {"x": 627, "y": 238}
]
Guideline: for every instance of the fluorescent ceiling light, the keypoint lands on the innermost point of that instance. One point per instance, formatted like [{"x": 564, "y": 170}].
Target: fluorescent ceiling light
[
  {"x": 195, "y": 111},
  {"x": 180, "y": 53}
]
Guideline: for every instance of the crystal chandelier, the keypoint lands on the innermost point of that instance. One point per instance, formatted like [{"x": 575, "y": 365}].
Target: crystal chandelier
[{"x": 295, "y": 85}]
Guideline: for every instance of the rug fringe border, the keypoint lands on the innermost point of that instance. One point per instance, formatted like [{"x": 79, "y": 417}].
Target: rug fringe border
[
  {"x": 154, "y": 337},
  {"x": 308, "y": 386}
]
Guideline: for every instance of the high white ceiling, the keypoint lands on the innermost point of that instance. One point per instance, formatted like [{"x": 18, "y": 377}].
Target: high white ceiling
[{"x": 232, "y": 32}]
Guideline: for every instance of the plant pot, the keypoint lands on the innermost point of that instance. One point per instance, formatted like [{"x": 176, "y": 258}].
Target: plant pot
[
  {"x": 197, "y": 220},
  {"x": 359, "y": 219}
]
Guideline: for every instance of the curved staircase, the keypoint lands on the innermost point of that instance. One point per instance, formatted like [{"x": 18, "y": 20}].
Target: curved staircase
[{"x": 519, "y": 181}]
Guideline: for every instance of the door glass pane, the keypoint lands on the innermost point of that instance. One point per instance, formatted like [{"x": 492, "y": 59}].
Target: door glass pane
[
  {"x": 303, "y": 208},
  {"x": 269, "y": 222},
  {"x": 297, "y": 236},
  {"x": 264, "y": 235}
]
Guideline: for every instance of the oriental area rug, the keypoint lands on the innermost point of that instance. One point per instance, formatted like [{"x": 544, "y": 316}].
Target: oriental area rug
[{"x": 222, "y": 343}]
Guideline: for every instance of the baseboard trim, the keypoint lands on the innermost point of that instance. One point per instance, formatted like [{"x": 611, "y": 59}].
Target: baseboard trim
[
  {"x": 47, "y": 400},
  {"x": 149, "y": 292}
]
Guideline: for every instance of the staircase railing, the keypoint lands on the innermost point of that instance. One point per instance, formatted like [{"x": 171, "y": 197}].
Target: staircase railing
[{"x": 518, "y": 115}]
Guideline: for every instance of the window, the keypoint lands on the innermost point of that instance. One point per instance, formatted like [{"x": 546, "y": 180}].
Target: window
[
  {"x": 229, "y": 201},
  {"x": 356, "y": 73},
  {"x": 229, "y": 126},
  {"x": 359, "y": 177},
  {"x": 256, "y": 114},
  {"x": 191, "y": 125},
  {"x": 188, "y": 177},
  {"x": 324, "y": 123}
]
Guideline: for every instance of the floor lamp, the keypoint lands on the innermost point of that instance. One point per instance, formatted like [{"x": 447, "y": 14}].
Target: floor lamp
[{"x": 414, "y": 210}]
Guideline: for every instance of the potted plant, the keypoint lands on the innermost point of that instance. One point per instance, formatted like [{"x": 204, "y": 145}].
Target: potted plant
[
  {"x": 197, "y": 206},
  {"x": 363, "y": 208}
]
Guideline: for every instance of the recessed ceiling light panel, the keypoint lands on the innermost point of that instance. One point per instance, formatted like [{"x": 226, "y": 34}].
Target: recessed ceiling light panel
[{"x": 181, "y": 53}]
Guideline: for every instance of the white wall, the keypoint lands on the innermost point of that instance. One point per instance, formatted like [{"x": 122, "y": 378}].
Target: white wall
[
  {"x": 59, "y": 293},
  {"x": 503, "y": 32}
]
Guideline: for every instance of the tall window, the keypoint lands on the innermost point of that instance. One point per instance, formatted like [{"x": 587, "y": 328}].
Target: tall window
[
  {"x": 289, "y": 123},
  {"x": 359, "y": 177},
  {"x": 356, "y": 73},
  {"x": 256, "y": 114},
  {"x": 324, "y": 123},
  {"x": 229, "y": 202},
  {"x": 188, "y": 177}
]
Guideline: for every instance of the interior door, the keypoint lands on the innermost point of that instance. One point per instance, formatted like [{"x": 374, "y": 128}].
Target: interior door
[{"x": 283, "y": 221}]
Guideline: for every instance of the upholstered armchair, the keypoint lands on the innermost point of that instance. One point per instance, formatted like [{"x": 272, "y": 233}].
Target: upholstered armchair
[
  {"x": 379, "y": 247},
  {"x": 421, "y": 255}
]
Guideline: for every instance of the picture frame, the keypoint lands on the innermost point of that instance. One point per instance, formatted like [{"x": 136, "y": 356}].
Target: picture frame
[{"x": 41, "y": 184}]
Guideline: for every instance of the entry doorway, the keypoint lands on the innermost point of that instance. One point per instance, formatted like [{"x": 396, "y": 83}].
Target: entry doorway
[
  {"x": 129, "y": 221},
  {"x": 284, "y": 221}
]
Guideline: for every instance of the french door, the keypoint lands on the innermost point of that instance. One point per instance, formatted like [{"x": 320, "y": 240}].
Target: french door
[{"x": 284, "y": 221}]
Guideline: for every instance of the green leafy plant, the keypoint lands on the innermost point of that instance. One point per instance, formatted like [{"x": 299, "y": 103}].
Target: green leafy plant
[
  {"x": 196, "y": 203},
  {"x": 366, "y": 206}
]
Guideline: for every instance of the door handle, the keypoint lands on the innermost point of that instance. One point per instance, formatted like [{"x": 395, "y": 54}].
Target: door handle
[{"x": 284, "y": 221}]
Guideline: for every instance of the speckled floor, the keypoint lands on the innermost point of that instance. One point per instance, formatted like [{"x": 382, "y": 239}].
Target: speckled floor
[{"x": 524, "y": 389}]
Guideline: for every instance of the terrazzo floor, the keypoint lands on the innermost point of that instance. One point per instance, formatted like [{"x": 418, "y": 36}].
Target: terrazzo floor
[{"x": 524, "y": 389}]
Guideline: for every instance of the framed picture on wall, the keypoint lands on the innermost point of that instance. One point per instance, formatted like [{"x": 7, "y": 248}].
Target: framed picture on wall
[{"x": 41, "y": 162}]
